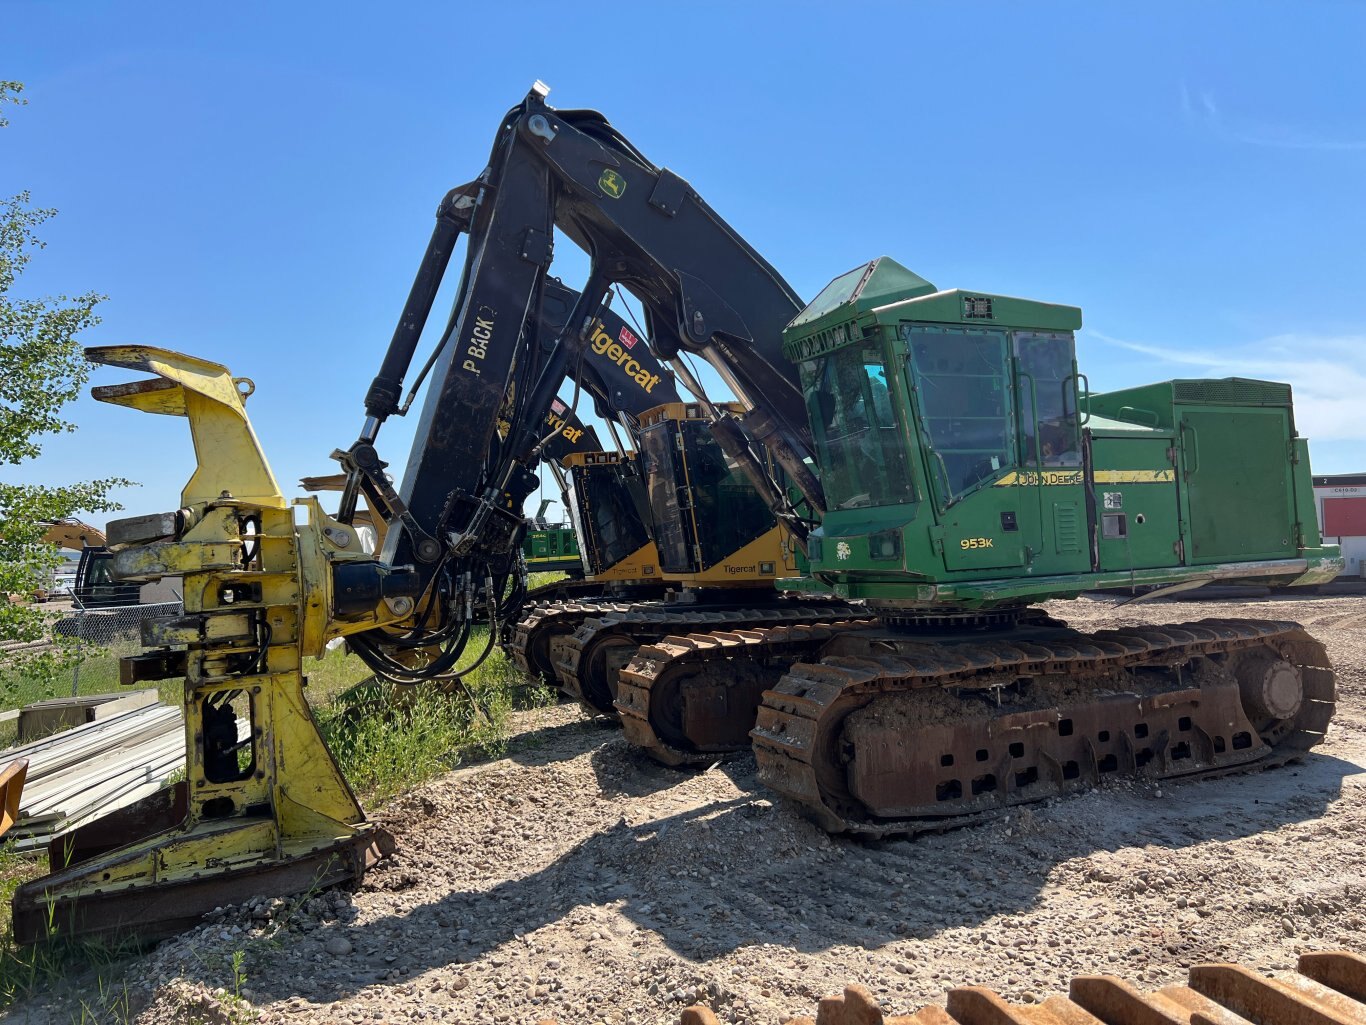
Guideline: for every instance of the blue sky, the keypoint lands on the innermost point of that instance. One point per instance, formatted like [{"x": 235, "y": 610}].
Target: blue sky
[{"x": 254, "y": 183}]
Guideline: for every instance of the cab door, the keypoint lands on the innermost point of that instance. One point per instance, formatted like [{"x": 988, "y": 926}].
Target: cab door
[
  {"x": 1051, "y": 477},
  {"x": 961, "y": 381}
]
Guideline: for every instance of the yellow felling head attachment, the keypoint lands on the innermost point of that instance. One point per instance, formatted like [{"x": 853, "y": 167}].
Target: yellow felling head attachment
[
  {"x": 230, "y": 457},
  {"x": 263, "y": 807}
]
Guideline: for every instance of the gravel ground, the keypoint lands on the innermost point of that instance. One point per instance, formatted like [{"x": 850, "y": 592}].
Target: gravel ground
[{"x": 579, "y": 881}]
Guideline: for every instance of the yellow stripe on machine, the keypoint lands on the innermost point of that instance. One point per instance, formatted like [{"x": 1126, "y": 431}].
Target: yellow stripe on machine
[
  {"x": 1135, "y": 476},
  {"x": 1050, "y": 478}
]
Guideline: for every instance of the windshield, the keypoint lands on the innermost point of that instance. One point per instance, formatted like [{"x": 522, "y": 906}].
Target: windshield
[
  {"x": 612, "y": 530},
  {"x": 849, "y": 403},
  {"x": 728, "y": 511},
  {"x": 962, "y": 384}
]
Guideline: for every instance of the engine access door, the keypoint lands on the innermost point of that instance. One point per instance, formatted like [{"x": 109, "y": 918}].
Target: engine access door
[{"x": 1240, "y": 502}]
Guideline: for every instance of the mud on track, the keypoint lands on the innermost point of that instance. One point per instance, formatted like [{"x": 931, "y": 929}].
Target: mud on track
[{"x": 576, "y": 879}]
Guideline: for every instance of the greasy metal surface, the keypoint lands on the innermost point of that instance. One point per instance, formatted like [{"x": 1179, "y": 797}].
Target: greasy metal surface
[
  {"x": 11, "y": 786},
  {"x": 587, "y": 662},
  {"x": 942, "y": 734},
  {"x": 686, "y": 699},
  {"x": 1327, "y": 990}
]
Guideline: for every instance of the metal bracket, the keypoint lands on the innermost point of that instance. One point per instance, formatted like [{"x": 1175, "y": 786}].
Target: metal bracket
[
  {"x": 363, "y": 460},
  {"x": 538, "y": 247},
  {"x": 669, "y": 193}
]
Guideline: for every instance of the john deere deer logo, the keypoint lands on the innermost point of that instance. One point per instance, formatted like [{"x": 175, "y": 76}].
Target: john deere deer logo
[{"x": 612, "y": 184}]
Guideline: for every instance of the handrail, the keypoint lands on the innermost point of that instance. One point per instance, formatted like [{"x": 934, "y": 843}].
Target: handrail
[{"x": 1195, "y": 449}]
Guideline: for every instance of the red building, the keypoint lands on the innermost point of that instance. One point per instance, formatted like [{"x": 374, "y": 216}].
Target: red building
[{"x": 1342, "y": 517}]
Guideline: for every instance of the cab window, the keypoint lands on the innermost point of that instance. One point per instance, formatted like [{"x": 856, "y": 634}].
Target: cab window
[
  {"x": 962, "y": 384},
  {"x": 101, "y": 572},
  {"x": 849, "y": 402},
  {"x": 1046, "y": 396},
  {"x": 728, "y": 512}
]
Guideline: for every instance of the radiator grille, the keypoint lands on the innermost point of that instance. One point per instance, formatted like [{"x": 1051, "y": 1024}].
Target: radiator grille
[
  {"x": 977, "y": 307},
  {"x": 1232, "y": 391}
]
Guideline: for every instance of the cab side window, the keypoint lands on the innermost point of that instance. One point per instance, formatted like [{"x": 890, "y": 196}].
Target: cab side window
[{"x": 1046, "y": 396}]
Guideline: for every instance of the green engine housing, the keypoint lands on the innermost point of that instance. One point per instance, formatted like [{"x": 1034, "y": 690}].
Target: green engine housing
[{"x": 967, "y": 466}]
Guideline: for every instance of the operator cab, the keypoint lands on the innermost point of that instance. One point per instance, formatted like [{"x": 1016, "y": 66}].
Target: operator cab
[
  {"x": 613, "y": 538},
  {"x": 711, "y": 525},
  {"x": 947, "y": 410}
]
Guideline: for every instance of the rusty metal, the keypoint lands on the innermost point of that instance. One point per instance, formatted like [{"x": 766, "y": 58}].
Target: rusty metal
[
  {"x": 11, "y": 787},
  {"x": 1328, "y": 989},
  {"x": 557, "y": 609},
  {"x": 588, "y": 661},
  {"x": 686, "y": 699},
  {"x": 155, "y": 813},
  {"x": 542, "y": 623},
  {"x": 889, "y": 734},
  {"x": 1339, "y": 970},
  {"x": 172, "y": 906}
]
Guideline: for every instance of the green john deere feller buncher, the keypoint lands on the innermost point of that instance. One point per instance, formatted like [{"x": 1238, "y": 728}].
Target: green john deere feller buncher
[
  {"x": 551, "y": 547},
  {"x": 938, "y": 457},
  {"x": 968, "y": 477}
]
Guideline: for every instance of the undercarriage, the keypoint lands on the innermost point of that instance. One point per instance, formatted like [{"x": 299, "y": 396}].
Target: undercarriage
[
  {"x": 890, "y": 734},
  {"x": 584, "y": 645}
]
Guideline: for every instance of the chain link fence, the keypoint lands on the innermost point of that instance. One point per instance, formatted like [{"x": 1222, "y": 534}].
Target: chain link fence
[
  {"x": 101, "y": 636},
  {"x": 79, "y": 654}
]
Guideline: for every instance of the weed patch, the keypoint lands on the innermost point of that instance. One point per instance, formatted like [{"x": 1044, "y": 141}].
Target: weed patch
[{"x": 388, "y": 738}]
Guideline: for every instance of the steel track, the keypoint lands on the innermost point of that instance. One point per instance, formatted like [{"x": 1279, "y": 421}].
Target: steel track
[
  {"x": 1157, "y": 702},
  {"x": 529, "y": 648},
  {"x": 588, "y": 661},
  {"x": 688, "y": 699}
]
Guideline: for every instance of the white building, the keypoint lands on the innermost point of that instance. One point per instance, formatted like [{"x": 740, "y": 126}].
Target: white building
[{"x": 1341, "y": 502}]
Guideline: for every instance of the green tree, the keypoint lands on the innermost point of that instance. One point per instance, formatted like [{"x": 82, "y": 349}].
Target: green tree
[{"x": 42, "y": 368}]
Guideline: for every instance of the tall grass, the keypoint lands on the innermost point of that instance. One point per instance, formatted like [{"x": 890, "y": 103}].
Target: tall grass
[
  {"x": 387, "y": 738},
  {"x": 24, "y": 970}
]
